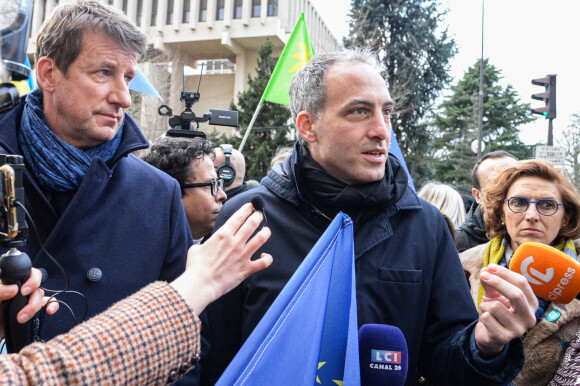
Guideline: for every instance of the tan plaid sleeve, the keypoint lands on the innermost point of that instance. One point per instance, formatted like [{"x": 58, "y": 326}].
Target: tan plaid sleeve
[{"x": 149, "y": 338}]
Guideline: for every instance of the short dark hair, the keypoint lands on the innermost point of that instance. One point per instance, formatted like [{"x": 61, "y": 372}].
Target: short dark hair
[
  {"x": 173, "y": 156},
  {"x": 490, "y": 155}
]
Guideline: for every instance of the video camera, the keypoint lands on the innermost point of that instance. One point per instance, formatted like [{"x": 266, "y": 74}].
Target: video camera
[
  {"x": 15, "y": 266},
  {"x": 14, "y": 29},
  {"x": 182, "y": 126}
]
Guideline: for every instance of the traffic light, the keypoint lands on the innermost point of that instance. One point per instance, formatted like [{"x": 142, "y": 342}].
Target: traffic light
[{"x": 548, "y": 96}]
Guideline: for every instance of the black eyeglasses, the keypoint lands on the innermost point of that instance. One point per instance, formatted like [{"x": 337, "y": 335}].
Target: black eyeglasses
[
  {"x": 215, "y": 186},
  {"x": 544, "y": 206}
]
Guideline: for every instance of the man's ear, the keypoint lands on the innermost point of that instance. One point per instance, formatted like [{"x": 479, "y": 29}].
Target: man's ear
[
  {"x": 477, "y": 195},
  {"x": 45, "y": 73},
  {"x": 304, "y": 123}
]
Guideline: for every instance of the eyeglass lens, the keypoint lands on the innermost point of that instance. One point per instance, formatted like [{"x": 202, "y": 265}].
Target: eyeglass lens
[
  {"x": 544, "y": 206},
  {"x": 216, "y": 185}
]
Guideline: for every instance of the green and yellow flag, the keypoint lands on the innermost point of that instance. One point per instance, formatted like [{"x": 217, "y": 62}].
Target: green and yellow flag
[{"x": 296, "y": 53}]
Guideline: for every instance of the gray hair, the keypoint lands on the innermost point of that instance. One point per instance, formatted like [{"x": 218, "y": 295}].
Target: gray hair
[
  {"x": 61, "y": 35},
  {"x": 308, "y": 87}
]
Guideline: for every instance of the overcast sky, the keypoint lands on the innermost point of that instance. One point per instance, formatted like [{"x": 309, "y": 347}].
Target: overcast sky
[{"x": 525, "y": 39}]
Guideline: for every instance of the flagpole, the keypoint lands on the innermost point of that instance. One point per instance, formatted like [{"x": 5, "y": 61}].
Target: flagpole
[
  {"x": 251, "y": 125},
  {"x": 276, "y": 90}
]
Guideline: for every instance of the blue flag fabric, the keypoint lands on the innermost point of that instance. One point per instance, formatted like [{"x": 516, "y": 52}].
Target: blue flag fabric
[
  {"x": 396, "y": 151},
  {"x": 309, "y": 335},
  {"x": 141, "y": 84}
]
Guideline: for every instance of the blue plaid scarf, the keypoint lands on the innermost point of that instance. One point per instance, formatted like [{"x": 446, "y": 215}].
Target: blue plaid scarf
[{"x": 58, "y": 166}]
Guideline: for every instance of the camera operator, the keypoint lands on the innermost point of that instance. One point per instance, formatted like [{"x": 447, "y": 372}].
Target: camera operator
[
  {"x": 114, "y": 223},
  {"x": 162, "y": 318}
]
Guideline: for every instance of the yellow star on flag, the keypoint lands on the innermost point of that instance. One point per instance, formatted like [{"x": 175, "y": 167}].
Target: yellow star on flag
[
  {"x": 320, "y": 364},
  {"x": 303, "y": 57}
]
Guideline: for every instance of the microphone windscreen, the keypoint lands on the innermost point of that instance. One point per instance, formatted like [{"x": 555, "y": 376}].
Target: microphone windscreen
[
  {"x": 383, "y": 355},
  {"x": 258, "y": 202},
  {"x": 552, "y": 274}
]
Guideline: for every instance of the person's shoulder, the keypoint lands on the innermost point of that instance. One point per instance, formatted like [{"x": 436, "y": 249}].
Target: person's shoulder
[
  {"x": 237, "y": 201},
  {"x": 146, "y": 173}
]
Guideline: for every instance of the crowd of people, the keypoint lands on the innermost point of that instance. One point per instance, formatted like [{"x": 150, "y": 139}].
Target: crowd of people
[{"x": 122, "y": 228}]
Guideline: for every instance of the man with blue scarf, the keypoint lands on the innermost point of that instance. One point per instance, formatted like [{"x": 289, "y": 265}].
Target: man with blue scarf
[{"x": 113, "y": 222}]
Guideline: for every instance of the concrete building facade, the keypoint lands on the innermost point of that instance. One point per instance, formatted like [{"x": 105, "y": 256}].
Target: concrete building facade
[{"x": 225, "y": 35}]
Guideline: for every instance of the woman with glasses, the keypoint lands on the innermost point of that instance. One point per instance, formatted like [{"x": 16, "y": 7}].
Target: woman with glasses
[{"x": 531, "y": 201}]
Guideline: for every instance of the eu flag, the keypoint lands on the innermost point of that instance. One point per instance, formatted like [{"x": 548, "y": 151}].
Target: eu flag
[{"x": 309, "y": 335}]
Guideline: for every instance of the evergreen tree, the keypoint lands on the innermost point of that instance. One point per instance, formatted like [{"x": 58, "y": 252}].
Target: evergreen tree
[
  {"x": 270, "y": 130},
  {"x": 415, "y": 51},
  {"x": 457, "y": 124}
]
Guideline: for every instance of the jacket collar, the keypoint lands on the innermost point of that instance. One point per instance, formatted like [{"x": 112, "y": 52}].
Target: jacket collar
[{"x": 282, "y": 181}]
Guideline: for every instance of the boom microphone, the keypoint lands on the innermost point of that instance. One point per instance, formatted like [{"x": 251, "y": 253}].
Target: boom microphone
[
  {"x": 552, "y": 274},
  {"x": 383, "y": 355}
]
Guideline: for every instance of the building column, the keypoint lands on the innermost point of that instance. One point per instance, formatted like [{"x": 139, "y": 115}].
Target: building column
[
  {"x": 132, "y": 10},
  {"x": 211, "y": 8},
  {"x": 162, "y": 15},
  {"x": 146, "y": 15},
  {"x": 240, "y": 77},
  {"x": 178, "y": 14},
  {"x": 228, "y": 12},
  {"x": 246, "y": 11},
  {"x": 194, "y": 13},
  {"x": 37, "y": 17},
  {"x": 263, "y": 11}
]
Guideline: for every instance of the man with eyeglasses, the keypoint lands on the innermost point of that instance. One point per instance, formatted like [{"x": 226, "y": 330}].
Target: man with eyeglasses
[{"x": 190, "y": 162}]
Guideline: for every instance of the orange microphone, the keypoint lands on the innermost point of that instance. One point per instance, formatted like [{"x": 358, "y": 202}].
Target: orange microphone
[{"x": 552, "y": 274}]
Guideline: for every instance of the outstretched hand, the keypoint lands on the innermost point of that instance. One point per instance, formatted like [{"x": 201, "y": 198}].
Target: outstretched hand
[
  {"x": 507, "y": 310},
  {"x": 224, "y": 260}
]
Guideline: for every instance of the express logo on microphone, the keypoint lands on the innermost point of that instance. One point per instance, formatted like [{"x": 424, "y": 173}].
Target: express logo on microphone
[
  {"x": 550, "y": 272},
  {"x": 533, "y": 274}
]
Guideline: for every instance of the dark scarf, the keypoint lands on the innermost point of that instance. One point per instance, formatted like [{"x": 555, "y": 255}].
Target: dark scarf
[
  {"x": 331, "y": 195},
  {"x": 58, "y": 166}
]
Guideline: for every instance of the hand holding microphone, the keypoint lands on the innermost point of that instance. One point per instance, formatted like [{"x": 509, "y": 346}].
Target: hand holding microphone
[{"x": 552, "y": 274}]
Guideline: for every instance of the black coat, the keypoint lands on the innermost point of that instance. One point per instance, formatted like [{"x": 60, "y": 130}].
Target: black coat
[
  {"x": 408, "y": 274},
  {"x": 472, "y": 232}
]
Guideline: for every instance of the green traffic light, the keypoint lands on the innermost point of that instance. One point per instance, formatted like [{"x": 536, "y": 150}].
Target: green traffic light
[{"x": 545, "y": 114}]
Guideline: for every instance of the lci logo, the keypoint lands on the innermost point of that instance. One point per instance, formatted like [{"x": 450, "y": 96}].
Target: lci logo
[{"x": 383, "y": 356}]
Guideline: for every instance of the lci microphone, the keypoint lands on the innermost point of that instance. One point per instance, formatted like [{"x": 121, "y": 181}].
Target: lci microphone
[
  {"x": 383, "y": 355},
  {"x": 552, "y": 274}
]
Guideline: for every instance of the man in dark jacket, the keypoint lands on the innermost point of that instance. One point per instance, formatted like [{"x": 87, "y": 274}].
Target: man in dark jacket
[
  {"x": 472, "y": 232},
  {"x": 407, "y": 269},
  {"x": 113, "y": 223}
]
